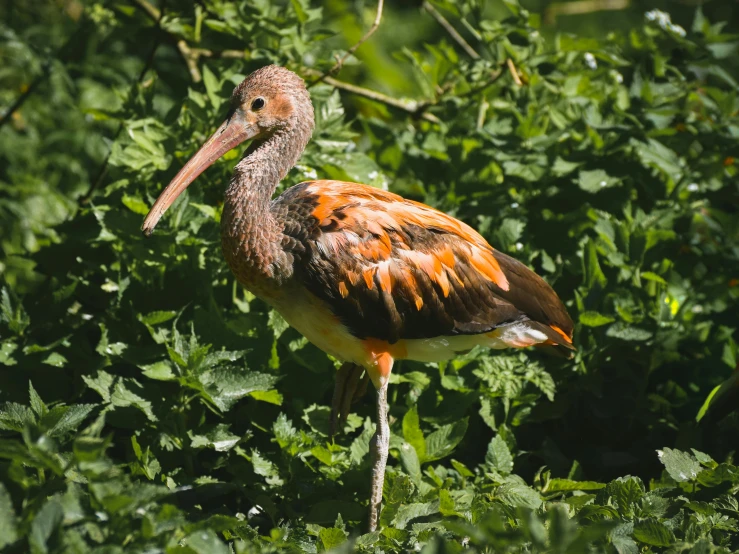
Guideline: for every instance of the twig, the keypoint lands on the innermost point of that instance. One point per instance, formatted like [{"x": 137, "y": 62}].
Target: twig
[
  {"x": 191, "y": 59},
  {"x": 46, "y": 71},
  {"x": 451, "y": 30},
  {"x": 514, "y": 72},
  {"x": 26, "y": 94},
  {"x": 413, "y": 107},
  {"x": 150, "y": 9},
  {"x": 340, "y": 62},
  {"x": 189, "y": 56},
  {"x": 581, "y": 7},
  {"x": 481, "y": 113},
  {"x": 85, "y": 198}
]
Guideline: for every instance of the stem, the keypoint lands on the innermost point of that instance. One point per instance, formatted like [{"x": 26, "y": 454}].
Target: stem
[
  {"x": 84, "y": 199},
  {"x": 451, "y": 30},
  {"x": 340, "y": 62}
]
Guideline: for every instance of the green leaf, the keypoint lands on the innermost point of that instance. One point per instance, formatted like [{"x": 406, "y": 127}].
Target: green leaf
[
  {"x": 37, "y": 405},
  {"x": 444, "y": 440},
  {"x": 122, "y": 396},
  {"x": 628, "y": 332},
  {"x": 499, "y": 456},
  {"x": 205, "y": 541},
  {"x": 219, "y": 438},
  {"x": 47, "y": 520},
  {"x": 66, "y": 419},
  {"x": 412, "y": 432},
  {"x": 14, "y": 417},
  {"x": 135, "y": 204},
  {"x": 409, "y": 512},
  {"x": 12, "y": 312},
  {"x": 562, "y": 485},
  {"x": 680, "y": 465},
  {"x": 8, "y": 520},
  {"x": 595, "y": 181},
  {"x": 591, "y": 267},
  {"x": 332, "y": 537},
  {"x": 518, "y": 495},
  {"x": 411, "y": 463},
  {"x": 265, "y": 468},
  {"x": 650, "y": 531},
  {"x": 595, "y": 319},
  {"x": 649, "y": 276}
]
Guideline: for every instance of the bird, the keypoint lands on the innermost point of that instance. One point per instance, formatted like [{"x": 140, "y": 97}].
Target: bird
[{"x": 366, "y": 275}]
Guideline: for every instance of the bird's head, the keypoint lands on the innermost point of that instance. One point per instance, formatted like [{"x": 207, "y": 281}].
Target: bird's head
[{"x": 270, "y": 100}]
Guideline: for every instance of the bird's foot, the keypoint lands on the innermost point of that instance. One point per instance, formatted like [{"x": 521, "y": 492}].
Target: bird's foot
[{"x": 351, "y": 385}]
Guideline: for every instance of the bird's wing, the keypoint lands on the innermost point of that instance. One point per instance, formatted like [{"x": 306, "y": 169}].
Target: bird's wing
[{"x": 393, "y": 269}]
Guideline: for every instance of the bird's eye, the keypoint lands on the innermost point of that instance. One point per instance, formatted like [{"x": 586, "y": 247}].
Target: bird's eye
[{"x": 257, "y": 104}]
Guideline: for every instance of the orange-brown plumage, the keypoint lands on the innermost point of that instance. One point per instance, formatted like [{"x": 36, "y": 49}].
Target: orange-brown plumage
[{"x": 364, "y": 274}]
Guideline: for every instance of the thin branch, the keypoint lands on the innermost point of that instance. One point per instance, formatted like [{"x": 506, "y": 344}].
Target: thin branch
[
  {"x": 581, "y": 7},
  {"x": 150, "y": 9},
  {"x": 451, "y": 30},
  {"x": 188, "y": 55},
  {"x": 191, "y": 59},
  {"x": 46, "y": 71},
  {"x": 26, "y": 94},
  {"x": 413, "y": 107},
  {"x": 514, "y": 72},
  {"x": 85, "y": 198},
  {"x": 340, "y": 62}
]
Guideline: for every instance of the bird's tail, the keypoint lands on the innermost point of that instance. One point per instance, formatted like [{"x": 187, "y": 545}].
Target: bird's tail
[{"x": 558, "y": 341}]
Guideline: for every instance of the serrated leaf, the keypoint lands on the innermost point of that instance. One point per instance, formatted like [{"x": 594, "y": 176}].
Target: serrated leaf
[
  {"x": 409, "y": 512},
  {"x": 44, "y": 524},
  {"x": 332, "y": 537},
  {"x": 561, "y": 485},
  {"x": 8, "y": 519},
  {"x": 218, "y": 437},
  {"x": 680, "y": 465},
  {"x": 442, "y": 442},
  {"x": 518, "y": 495},
  {"x": 70, "y": 419},
  {"x": 652, "y": 532},
  {"x": 499, "y": 456},
  {"x": 205, "y": 541},
  {"x": 624, "y": 331},
  {"x": 595, "y": 319},
  {"x": 595, "y": 181},
  {"x": 412, "y": 432}
]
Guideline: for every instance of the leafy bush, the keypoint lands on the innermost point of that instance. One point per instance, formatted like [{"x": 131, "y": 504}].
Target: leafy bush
[{"x": 153, "y": 405}]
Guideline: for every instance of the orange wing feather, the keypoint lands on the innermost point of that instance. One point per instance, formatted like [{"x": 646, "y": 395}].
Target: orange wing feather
[{"x": 391, "y": 268}]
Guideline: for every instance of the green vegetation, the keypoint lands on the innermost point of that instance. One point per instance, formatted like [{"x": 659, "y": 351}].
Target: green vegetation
[{"x": 151, "y": 405}]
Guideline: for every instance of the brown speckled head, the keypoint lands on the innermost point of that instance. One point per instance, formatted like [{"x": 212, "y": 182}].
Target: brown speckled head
[
  {"x": 271, "y": 106},
  {"x": 273, "y": 98}
]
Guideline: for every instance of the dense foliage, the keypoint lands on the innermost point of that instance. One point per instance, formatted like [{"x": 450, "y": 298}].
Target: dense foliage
[{"x": 150, "y": 404}]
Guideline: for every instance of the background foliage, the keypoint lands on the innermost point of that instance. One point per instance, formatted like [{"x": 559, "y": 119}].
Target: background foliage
[{"x": 152, "y": 405}]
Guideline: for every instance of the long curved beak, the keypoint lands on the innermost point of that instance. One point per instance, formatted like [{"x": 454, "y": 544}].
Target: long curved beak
[{"x": 230, "y": 134}]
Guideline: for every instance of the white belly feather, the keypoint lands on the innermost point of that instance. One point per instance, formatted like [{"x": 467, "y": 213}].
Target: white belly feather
[{"x": 312, "y": 319}]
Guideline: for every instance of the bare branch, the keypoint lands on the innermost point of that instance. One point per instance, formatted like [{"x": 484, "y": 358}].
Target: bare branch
[
  {"x": 413, "y": 107},
  {"x": 340, "y": 62},
  {"x": 583, "y": 6},
  {"x": 514, "y": 72},
  {"x": 85, "y": 198},
  {"x": 191, "y": 59},
  {"x": 451, "y": 30},
  {"x": 150, "y": 9}
]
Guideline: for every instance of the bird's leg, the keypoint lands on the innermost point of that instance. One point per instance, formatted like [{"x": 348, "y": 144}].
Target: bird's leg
[
  {"x": 348, "y": 388},
  {"x": 380, "y": 446}
]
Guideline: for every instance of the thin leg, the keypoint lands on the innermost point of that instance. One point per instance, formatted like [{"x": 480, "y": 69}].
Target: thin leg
[
  {"x": 348, "y": 386},
  {"x": 380, "y": 446}
]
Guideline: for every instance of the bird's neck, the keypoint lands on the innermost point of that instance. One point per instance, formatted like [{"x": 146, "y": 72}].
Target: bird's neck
[{"x": 251, "y": 235}]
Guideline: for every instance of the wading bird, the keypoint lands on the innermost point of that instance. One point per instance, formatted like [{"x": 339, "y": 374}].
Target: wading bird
[{"x": 364, "y": 274}]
